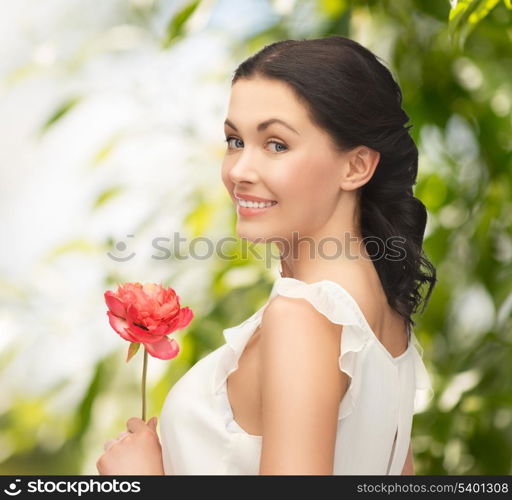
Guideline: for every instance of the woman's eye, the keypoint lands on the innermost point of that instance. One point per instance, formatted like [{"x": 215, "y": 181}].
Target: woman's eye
[
  {"x": 278, "y": 144},
  {"x": 229, "y": 139}
]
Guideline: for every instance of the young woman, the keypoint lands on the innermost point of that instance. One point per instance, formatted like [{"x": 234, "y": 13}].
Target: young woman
[{"x": 325, "y": 377}]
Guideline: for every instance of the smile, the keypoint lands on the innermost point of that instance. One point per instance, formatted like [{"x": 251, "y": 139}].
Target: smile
[
  {"x": 255, "y": 204},
  {"x": 246, "y": 208}
]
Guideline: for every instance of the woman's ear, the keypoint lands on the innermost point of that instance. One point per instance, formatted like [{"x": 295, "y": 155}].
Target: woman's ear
[{"x": 359, "y": 167}]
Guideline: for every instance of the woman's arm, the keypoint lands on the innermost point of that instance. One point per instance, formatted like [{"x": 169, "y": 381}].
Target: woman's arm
[
  {"x": 408, "y": 469},
  {"x": 301, "y": 388}
]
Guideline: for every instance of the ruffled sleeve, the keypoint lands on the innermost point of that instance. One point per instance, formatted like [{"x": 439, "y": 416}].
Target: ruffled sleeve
[
  {"x": 423, "y": 384},
  {"x": 340, "y": 308}
]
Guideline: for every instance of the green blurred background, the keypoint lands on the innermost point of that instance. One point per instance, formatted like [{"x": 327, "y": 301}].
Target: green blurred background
[{"x": 111, "y": 122}]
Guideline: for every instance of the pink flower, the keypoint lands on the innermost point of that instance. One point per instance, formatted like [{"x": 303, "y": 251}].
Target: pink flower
[{"x": 147, "y": 314}]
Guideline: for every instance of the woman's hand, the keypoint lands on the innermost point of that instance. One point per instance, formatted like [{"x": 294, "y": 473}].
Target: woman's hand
[{"x": 136, "y": 452}]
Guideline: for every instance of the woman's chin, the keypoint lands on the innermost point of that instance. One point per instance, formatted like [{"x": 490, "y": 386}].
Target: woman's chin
[
  {"x": 256, "y": 237},
  {"x": 251, "y": 238}
]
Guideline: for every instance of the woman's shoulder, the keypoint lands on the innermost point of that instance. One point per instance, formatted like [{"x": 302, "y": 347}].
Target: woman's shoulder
[
  {"x": 297, "y": 341},
  {"x": 296, "y": 307},
  {"x": 312, "y": 310},
  {"x": 345, "y": 295}
]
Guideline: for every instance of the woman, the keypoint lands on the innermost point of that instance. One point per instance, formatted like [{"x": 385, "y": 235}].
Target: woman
[{"x": 327, "y": 384}]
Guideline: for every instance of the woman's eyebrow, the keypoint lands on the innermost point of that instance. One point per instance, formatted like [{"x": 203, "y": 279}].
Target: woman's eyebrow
[{"x": 263, "y": 125}]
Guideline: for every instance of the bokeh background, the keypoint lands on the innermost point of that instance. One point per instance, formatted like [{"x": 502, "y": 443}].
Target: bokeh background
[{"x": 111, "y": 136}]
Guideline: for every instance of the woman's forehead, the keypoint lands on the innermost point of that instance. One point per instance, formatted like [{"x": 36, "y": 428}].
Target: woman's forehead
[{"x": 266, "y": 93}]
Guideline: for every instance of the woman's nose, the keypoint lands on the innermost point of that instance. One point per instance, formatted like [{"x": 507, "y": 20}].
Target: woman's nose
[{"x": 243, "y": 170}]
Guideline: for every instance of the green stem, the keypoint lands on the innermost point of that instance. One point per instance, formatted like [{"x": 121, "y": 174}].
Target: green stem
[{"x": 144, "y": 371}]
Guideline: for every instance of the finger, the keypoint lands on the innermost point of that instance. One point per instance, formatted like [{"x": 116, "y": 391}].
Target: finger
[
  {"x": 152, "y": 423},
  {"x": 108, "y": 444},
  {"x": 122, "y": 435},
  {"x": 135, "y": 424}
]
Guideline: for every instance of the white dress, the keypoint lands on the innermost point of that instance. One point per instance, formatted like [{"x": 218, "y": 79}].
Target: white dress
[{"x": 200, "y": 436}]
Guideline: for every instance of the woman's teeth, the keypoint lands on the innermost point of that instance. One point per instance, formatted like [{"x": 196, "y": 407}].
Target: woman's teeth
[{"x": 255, "y": 204}]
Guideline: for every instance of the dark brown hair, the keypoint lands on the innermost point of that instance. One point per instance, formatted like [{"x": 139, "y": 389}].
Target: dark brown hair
[{"x": 351, "y": 94}]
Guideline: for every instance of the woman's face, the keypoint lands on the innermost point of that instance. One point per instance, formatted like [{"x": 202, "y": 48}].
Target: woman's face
[{"x": 299, "y": 168}]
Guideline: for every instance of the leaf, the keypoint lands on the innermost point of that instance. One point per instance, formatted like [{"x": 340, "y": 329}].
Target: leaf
[
  {"x": 62, "y": 110},
  {"x": 106, "y": 195},
  {"x": 132, "y": 350},
  {"x": 333, "y": 8},
  {"x": 481, "y": 11},
  {"x": 106, "y": 150},
  {"x": 508, "y": 4},
  {"x": 83, "y": 413},
  {"x": 464, "y": 16},
  {"x": 79, "y": 245},
  {"x": 459, "y": 10},
  {"x": 200, "y": 217},
  {"x": 177, "y": 23}
]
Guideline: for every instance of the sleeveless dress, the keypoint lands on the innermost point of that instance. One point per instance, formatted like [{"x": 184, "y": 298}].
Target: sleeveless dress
[{"x": 199, "y": 435}]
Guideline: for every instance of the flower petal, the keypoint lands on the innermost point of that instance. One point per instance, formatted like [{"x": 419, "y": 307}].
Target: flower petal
[
  {"x": 181, "y": 320},
  {"x": 120, "y": 326},
  {"x": 186, "y": 316},
  {"x": 162, "y": 329},
  {"x": 114, "y": 304},
  {"x": 140, "y": 334},
  {"x": 163, "y": 349}
]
